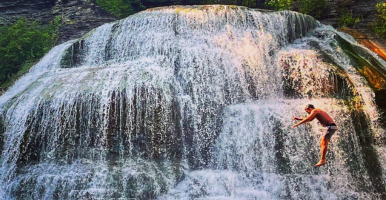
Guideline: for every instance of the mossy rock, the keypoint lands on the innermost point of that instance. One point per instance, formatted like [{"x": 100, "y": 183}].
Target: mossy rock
[{"x": 74, "y": 55}]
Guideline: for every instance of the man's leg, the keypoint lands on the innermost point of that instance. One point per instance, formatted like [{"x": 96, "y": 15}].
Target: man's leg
[{"x": 323, "y": 151}]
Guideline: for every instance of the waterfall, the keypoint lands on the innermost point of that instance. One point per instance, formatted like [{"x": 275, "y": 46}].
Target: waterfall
[{"x": 194, "y": 102}]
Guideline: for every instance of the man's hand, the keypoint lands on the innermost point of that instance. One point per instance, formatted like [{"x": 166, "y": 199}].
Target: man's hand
[{"x": 298, "y": 118}]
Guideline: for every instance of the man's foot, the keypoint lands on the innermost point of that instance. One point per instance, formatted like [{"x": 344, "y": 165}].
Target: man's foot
[{"x": 320, "y": 163}]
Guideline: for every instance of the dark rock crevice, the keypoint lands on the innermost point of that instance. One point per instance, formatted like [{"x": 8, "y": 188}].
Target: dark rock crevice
[{"x": 370, "y": 157}]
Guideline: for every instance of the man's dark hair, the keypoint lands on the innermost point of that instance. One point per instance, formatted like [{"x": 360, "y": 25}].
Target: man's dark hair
[{"x": 310, "y": 106}]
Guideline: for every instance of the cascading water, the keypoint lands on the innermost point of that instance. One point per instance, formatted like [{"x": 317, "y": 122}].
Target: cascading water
[{"x": 192, "y": 103}]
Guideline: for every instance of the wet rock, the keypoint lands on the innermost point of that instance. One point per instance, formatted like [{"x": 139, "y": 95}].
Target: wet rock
[
  {"x": 380, "y": 97},
  {"x": 366, "y": 64},
  {"x": 371, "y": 161},
  {"x": 325, "y": 80},
  {"x": 2, "y": 130},
  {"x": 73, "y": 56}
]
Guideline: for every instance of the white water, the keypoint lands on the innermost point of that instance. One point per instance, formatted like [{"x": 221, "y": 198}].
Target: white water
[
  {"x": 247, "y": 167},
  {"x": 183, "y": 103}
]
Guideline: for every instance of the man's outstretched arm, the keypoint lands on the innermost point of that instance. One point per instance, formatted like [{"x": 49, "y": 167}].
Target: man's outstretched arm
[
  {"x": 307, "y": 119},
  {"x": 298, "y": 118}
]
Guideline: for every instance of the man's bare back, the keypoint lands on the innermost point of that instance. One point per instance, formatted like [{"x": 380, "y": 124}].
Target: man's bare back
[{"x": 317, "y": 113}]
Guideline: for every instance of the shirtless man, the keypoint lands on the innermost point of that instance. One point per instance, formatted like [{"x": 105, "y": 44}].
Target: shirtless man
[{"x": 326, "y": 121}]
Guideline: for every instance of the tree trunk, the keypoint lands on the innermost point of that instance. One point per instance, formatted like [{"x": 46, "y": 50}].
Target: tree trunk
[{"x": 239, "y": 2}]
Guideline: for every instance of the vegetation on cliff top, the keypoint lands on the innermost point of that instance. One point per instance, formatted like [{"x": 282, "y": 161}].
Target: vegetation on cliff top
[
  {"x": 121, "y": 8},
  {"x": 346, "y": 19},
  {"x": 380, "y": 20},
  {"x": 25, "y": 42},
  {"x": 315, "y": 8},
  {"x": 124, "y": 8},
  {"x": 22, "y": 44}
]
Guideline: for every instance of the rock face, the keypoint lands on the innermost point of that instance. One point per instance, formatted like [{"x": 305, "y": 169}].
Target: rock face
[
  {"x": 364, "y": 9},
  {"x": 79, "y": 16}
]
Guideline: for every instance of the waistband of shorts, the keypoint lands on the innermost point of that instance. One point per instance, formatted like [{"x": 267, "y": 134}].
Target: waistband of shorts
[{"x": 332, "y": 126}]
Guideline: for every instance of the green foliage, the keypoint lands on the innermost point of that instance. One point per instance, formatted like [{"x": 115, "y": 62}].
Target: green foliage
[
  {"x": 124, "y": 8},
  {"x": 121, "y": 8},
  {"x": 24, "y": 42},
  {"x": 315, "y": 8},
  {"x": 347, "y": 20},
  {"x": 281, "y": 4},
  {"x": 380, "y": 20}
]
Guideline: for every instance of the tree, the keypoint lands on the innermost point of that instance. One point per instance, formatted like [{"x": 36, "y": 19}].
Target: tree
[{"x": 25, "y": 41}]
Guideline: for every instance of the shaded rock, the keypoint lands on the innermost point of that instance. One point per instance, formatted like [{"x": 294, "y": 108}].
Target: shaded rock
[{"x": 364, "y": 9}]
